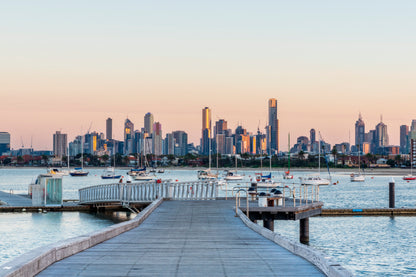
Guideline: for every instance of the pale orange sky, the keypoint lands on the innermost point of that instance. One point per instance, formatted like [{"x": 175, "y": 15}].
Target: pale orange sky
[{"x": 65, "y": 65}]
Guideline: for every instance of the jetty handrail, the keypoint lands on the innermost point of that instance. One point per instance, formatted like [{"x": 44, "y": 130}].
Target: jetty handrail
[{"x": 126, "y": 193}]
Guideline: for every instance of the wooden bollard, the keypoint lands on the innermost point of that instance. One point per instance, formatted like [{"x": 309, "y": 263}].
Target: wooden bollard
[
  {"x": 391, "y": 194},
  {"x": 304, "y": 230}
]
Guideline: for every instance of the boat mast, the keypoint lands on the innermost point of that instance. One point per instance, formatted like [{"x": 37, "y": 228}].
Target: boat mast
[{"x": 288, "y": 149}]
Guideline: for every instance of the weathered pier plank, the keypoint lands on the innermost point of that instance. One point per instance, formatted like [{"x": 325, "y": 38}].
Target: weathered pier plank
[{"x": 186, "y": 238}]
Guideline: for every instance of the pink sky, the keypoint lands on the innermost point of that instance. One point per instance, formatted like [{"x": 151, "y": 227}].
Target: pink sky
[{"x": 63, "y": 67}]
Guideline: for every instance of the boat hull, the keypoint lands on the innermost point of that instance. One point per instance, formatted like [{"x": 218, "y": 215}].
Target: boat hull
[{"x": 111, "y": 177}]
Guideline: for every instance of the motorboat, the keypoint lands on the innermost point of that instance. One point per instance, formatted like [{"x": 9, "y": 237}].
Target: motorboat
[
  {"x": 109, "y": 173},
  {"x": 136, "y": 171},
  {"x": 357, "y": 177},
  {"x": 231, "y": 175},
  {"x": 144, "y": 176},
  {"x": 78, "y": 172},
  {"x": 287, "y": 175},
  {"x": 58, "y": 172},
  {"x": 409, "y": 177},
  {"x": 206, "y": 175},
  {"x": 314, "y": 180},
  {"x": 161, "y": 170}
]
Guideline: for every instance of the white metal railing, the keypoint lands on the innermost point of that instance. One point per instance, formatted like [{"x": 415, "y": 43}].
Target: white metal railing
[
  {"x": 148, "y": 192},
  {"x": 297, "y": 194}
]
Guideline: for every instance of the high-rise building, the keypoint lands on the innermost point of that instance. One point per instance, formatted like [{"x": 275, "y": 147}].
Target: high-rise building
[
  {"x": 148, "y": 123},
  {"x": 169, "y": 145},
  {"x": 404, "y": 135},
  {"x": 206, "y": 131},
  {"x": 128, "y": 136},
  {"x": 312, "y": 138},
  {"x": 109, "y": 129},
  {"x": 381, "y": 136},
  {"x": 273, "y": 127},
  {"x": 4, "y": 142},
  {"x": 157, "y": 138},
  {"x": 220, "y": 127},
  {"x": 59, "y": 144},
  {"x": 181, "y": 142},
  {"x": 359, "y": 132}
]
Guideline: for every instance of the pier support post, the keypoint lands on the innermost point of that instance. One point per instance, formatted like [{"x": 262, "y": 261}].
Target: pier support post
[
  {"x": 391, "y": 194},
  {"x": 268, "y": 224},
  {"x": 304, "y": 230}
]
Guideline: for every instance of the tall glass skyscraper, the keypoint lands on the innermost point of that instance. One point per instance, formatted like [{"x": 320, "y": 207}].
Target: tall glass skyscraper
[
  {"x": 109, "y": 129},
  {"x": 206, "y": 131},
  {"x": 128, "y": 136},
  {"x": 359, "y": 132},
  {"x": 273, "y": 127},
  {"x": 148, "y": 123}
]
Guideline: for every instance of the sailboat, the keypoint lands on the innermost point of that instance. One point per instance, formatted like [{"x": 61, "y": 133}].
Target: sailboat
[
  {"x": 79, "y": 171},
  {"x": 358, "y": 177},
  {"x": 410, "y": 176},
  {"x": 232, "y": 174},
  {"x": 287, "y": 174},
  {"x": 315, "y": 179},
  {"x": 207, "y": 174},
  {"x": 110, "y": 173},
  {"x": 141, "y": 174}
]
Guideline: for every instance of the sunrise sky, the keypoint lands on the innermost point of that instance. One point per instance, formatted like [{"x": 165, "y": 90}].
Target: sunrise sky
[{"x": 67, "y": 64}]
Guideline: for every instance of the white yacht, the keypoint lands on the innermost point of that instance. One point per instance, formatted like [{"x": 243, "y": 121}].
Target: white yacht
[
  {"x": 314, "y": 180},
  {"x": 206, "y": 175}
]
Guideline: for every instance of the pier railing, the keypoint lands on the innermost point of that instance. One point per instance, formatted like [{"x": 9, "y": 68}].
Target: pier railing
[{"x": 148, "y": 192}]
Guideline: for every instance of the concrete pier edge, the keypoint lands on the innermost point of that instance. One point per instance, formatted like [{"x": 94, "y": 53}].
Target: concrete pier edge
[
  {"x": 325, "y": 264},
  {"x": 34, "y": 261}
]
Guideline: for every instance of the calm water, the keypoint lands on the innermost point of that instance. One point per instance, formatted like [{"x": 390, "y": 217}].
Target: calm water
[{"x": 368, "y": 246}]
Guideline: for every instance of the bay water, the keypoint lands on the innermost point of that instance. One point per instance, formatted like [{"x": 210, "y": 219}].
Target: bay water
[{"x": 367, "y": 246}]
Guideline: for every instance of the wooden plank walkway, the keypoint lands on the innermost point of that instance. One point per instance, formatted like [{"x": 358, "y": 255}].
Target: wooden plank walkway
[{"x": 186, "y": 238}]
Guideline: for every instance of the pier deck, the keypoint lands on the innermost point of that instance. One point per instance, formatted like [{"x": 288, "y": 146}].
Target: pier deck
[{"x": 186, "y": 238}]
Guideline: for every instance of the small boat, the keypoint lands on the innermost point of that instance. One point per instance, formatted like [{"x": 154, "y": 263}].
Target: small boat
[
  {"x": 357, "y": 177},
  {"x": 152, "y": 170},
  {"x": 78, "y": 172},
  {"x": 409, "y": 177},
  {"x": 136, "y": 171},
  {"x": 144, "y": 176},
  {"x": 232, "y": 175},
  {"x": 109, "y": 173},
  {"x": 314, "y": 180},
  {"x": 161, "y": 171},
  {"x": 58, "y": 172},
  {"x": 206, "y": 175},
  {"x": 287, "y": 175},
  {"x": 263, "y": 178}
]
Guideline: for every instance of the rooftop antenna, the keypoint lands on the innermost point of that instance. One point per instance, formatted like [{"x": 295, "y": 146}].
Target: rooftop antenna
[
  {"x": 381, "y": 118},
  {"x": 21, "y": 139},
  {"x": 31, "y": 142}
]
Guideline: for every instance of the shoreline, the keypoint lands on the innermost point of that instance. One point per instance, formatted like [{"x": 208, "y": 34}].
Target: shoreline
[{"x": 368, "y": 171}]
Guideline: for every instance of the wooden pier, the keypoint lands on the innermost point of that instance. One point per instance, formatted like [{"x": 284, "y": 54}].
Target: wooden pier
[{"x": 186, "y": 238}]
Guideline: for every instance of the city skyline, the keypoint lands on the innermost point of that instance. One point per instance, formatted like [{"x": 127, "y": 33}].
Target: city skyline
[{"x": 325, "y": 62}]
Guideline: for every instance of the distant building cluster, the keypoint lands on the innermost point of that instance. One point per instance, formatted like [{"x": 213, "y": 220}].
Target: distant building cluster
[
  {"x": 146, "y": 140},
  {"x": 217, "y": 139}
]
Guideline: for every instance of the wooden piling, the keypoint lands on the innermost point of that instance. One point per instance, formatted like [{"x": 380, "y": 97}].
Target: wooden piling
[
  {"x": 391, "y": 194},
  {"x": 268, "y": 224},
  {"x": 304, "y": 230}
]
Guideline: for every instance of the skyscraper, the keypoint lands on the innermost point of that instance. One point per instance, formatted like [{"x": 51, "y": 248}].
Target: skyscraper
[
  {"x": 273, "y": 127},
  {"x": 359, "y": 132},
  {"x": 109, "y": 129},
  {"x": 148, "y": 123},
  {"x": 206, "y": 131},
  {"x": 128, "y": 136},
  {"x": 181, "y": 142},
  {"x": 312, "y": 138},
  {"x": 404, "y": 132},
  {"x": 59, "y": 144},
  {"x": 381, "y": 136},
  {"x": 157, "y": 138}
]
